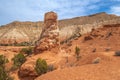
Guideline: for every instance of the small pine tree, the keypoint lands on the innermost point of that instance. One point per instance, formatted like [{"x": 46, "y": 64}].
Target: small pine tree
[
  {"x": 3, "y": 60},
  {"x": 19, "y": 59},
  {"x": 41, "y": 66},
  {"x": 4, "y": 75},
  {"x": 27, "y": 51},
  {"x": 77, "y": 52}
]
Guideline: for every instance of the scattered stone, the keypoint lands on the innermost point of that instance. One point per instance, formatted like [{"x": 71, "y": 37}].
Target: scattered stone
[
  {"x": 88, "y": 38},
  {"x": 117, "y": 53},
  {"x": 107, "y": 49},
  {"x": 97, "y": 60},
  {"x": 108, "y": 35},
  {"x": 69, "y": 44},
  {"x": 94, "y": 50}
]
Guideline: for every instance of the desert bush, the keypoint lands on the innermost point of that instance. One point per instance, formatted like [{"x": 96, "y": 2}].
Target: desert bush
[
  {"x": 22, "y": 44},
  {"x": 27, "y": 51},
  {"x": 3, "y": 44},
  {"x": 117, "y": 53},
  {"x": 4, "y": 75},
  {"x": 18, "y": 60},
  {"x": 18, "y": 44},
  {"x": 77, "y": 52},
  {"x": 3, "y": 60},
  {"x": 41, "y": 66}
]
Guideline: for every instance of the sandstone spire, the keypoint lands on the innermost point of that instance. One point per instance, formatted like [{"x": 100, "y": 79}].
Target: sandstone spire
[{"x": 50, "y": 33}]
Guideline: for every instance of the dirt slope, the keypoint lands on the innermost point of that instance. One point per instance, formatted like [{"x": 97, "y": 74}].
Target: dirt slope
[
  {"x": 101, "y": 43},
  {"x": 108, "y": 71}
]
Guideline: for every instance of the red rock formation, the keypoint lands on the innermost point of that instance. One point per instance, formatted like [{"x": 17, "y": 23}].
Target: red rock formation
[{"x": 50, "y": 33}]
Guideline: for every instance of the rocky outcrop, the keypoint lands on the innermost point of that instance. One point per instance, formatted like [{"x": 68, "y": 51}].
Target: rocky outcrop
[
  {"x": 86, "y": 28},
  {"x": 27, "y": 71},
  {"x": 87, "y": 38},
  {"x": 50, "y": 33}
]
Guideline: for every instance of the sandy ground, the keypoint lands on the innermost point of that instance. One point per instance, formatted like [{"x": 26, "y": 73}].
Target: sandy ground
[{"x": 101, "y": 45}]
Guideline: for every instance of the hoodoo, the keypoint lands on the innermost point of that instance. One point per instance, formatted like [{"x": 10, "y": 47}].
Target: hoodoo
[{"x": 50, "y": 33}]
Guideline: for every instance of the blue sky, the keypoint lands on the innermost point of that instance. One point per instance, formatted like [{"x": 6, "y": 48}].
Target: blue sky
[{"x": 33, "y": 10}]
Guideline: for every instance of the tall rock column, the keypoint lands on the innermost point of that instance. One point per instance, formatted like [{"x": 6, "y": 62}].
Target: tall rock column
[{"x": 50, "y": 33}]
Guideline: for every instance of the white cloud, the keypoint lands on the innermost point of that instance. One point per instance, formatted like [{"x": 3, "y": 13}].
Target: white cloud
[{"x": 115, "y": 10}]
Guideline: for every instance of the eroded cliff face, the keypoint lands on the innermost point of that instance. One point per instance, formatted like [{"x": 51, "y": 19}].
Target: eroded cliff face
[
  {"x": 30, "y": 31},
  {"x": 14, "y": 36},
  {"x": 17, "y": 32},
  {"x": 50, "y": 33}
]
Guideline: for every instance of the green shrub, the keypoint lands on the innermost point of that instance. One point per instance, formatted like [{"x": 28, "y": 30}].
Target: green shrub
[
  {"x": 117, "y": 53},
  {"x": 41, "y": 66},
  {"x": 22, "y": 44},
  {"x": 77, "y": 52},
  {"x": 27, "y": 51},
  {"x": 17, "y": 44},
  {"x": 19, "y": 59},
  {"x": 3, "y": 60},
  {"x": 4, "y": 75}
]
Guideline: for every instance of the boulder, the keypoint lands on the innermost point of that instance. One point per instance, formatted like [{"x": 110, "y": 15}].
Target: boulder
[
  {"x": 86, "y": 38},
  {"x": 27, "y": 71}
]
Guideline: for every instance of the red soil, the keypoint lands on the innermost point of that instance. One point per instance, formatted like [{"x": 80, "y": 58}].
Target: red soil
[{"x": 103, "y": 44}]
